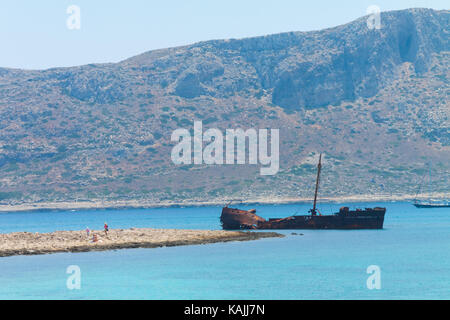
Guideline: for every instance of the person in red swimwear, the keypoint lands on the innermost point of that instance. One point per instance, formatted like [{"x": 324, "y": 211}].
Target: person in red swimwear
[{"x": 106, "y": 229}]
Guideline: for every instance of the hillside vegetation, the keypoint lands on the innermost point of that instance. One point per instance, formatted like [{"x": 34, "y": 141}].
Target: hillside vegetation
[{"x": 375, "y": 102}]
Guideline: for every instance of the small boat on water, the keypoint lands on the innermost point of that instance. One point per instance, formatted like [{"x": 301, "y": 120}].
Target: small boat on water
[
  {"x": 235, "y": 219},
  {"x": 430, "y": 203}
]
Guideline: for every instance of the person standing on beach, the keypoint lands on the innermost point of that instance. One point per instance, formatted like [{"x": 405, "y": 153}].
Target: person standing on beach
[
  {"x": 88, "y": 232},
  {"x": 106, "y": 229}
]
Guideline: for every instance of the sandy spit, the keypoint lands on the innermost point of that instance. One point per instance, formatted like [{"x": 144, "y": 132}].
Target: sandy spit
[{"x": 26, "y": 243}]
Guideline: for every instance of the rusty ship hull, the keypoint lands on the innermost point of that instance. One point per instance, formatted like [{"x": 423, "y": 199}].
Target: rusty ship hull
[{"x": 345, "y": 219}]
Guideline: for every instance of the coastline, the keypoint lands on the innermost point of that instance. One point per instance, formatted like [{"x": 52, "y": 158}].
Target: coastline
[
  {"x": 143, "y": 204},
  {"x": 26, "y": 243}
]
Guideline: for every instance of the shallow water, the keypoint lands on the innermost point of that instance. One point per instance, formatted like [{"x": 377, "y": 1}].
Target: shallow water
[{"x": 413, "y": 253}]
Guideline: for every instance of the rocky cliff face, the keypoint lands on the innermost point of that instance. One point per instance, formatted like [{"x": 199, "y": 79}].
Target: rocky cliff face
[
  {"x": 307, "y": 70},
  {"x": 376, "y": 101}
]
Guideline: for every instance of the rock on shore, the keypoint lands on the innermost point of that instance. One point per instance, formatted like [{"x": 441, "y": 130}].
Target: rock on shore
[{"x": 25, "y": 243}]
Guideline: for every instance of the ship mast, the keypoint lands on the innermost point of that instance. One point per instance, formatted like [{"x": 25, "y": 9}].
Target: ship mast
[{"x": 319, "y": 168}]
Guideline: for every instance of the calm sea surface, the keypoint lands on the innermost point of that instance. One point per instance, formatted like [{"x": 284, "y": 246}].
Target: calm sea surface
[{"x": 413, "y": 253}]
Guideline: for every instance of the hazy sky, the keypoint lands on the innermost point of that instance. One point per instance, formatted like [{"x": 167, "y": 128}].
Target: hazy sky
[{"x": 34, "y": 34}]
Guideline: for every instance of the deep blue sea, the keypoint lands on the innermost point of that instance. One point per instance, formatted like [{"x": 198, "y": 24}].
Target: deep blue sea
[{"x": 412, "y": 253}]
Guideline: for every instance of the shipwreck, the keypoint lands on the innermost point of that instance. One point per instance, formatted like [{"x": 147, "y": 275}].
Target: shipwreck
[{"x": 346, "y": 219}]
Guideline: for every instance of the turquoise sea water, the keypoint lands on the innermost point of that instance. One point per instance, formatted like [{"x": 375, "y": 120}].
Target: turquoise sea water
[{"x": 413, "y": 253}]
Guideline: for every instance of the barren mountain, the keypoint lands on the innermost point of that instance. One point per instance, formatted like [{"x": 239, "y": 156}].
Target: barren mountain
[{"x": 375, "y": 102}]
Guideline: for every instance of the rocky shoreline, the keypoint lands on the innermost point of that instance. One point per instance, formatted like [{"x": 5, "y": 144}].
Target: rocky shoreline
[
  {"x": 26, "y": 243},
  {"x": 142, "y": 204}
]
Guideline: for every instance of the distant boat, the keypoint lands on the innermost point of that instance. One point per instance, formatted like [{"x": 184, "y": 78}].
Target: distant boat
[{"x": 430, "y": 203}]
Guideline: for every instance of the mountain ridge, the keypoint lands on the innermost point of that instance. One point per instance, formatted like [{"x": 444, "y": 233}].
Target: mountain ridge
[{"x": 362, "y": 19}]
